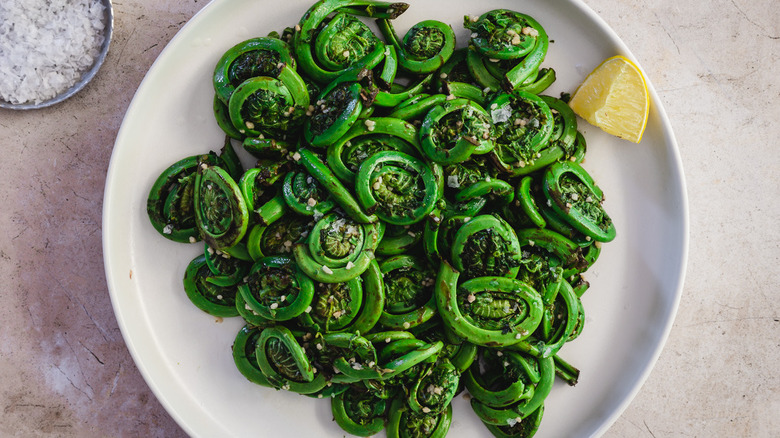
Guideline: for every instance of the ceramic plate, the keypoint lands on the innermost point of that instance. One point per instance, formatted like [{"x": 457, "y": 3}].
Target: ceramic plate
[{"x": 185, "y": 355}]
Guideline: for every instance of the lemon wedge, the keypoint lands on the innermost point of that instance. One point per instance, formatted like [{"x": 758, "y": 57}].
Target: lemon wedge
[{"x": 614, "y": 98}]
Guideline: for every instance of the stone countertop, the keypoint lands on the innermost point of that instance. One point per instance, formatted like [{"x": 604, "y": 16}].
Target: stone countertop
[{"x": 65, "y": 370}]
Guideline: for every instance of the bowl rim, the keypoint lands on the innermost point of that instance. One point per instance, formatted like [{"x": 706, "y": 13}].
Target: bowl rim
[{"x": 108, "y": 18}]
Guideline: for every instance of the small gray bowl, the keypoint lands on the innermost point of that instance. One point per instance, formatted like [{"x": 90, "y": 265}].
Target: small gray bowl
[{"x": 108, "y": 18}]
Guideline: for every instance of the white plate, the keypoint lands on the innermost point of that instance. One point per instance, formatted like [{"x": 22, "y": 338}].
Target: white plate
[{"x": 184, "y": 354}]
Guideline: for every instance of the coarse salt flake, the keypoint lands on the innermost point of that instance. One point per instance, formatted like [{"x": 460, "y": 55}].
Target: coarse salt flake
[{"x": 46, "y": 46}]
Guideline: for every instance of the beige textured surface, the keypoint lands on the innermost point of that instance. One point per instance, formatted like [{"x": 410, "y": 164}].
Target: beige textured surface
[{"x": 65, "y": 370}]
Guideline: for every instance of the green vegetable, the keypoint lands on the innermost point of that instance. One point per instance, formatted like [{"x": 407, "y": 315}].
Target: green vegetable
[{"x": 415, "y": 219}]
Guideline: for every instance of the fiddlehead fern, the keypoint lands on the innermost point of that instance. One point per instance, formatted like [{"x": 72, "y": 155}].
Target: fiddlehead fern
[
  {"x": 209, "y": 297},
  {"x": 453, "y": 131},
  {"x": 325, "y": 47},
  {"x": 434, "y": 387},
  {"x": 405, "y": 423},
  {"x": 335, "y": 111},
  {"x": 425, "y": 47},
  {"x": 505, "y": 34},
  {"x": 524, "y": 428},
  {"x": 220, "y": 210},
  {"x": 403, "y": 354},
  {"x": 359, "y": 412},
  {"x": 337, "y": 241},
  {"x": 455, "y": 69},
  {"x": 517, "y": 412},
  {"x": 560, "y": 322},
  {"x": 334, "y": 306},
  {"x": 374, "y": 135},
  {"x": 268, "y": 106},
  {"x": 276, "y": 289},
  {"x": 279, "y": 237},
  {"x": 488, "y": 311},
  {"x": 441, "y": 162},
  {"x": 399, "y": 188},
  {"x": 226, "y": 270},
  {"x": 170, "y": 204},
  {"x": 523, "y": 124},
  {"x": 502, "y": 377},
  {"x": 400, "y": 239},
  {"x": 319, "y": 170},
  {"x": 251, "y": 58},
  {"x": 486, "y": 246},
  {"x": 338, "y": 249},
  {"x": 304, "y": 195},
  {"x": 244, "y": 357},
  {"x": 409, "y": 297},
  {"x": 251, "y": 317},
  {"x": 577, "y": 198},
  {"x": 284, "y": 362}
]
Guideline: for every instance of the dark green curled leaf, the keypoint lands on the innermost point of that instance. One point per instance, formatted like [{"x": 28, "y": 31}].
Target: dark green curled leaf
[
  {"x": 304, "y": 195},
  {"x": 409, "y": 299},
  {"x": 577, "y": 198},
  {"x": 522, "y": 124},
  {"x": 451, "y": 132},
  {"x": 525, "y": 428},
  {"x": 266, "y": 148},
  {"x": 219, "y": 301},
  {"x": 171, "y": 204},
  {"x": 454, "y": 70},
  {"x": 397, "y": 187},
  {"x": 221, "y": 213},
  {"x": 337, "y": 241},
  {"x": 268, "y": 106},
  {"x": 518, "y": 412},
  {"x": 561, "y": 320},
  {"x": 334, "y": 306},
  {"x": 338, "y": 249},
  {"x": 401, "y": 355},
  {"x": 248, "y": 59},
  {"x": 276, "y": 289},
  {"x": 504, "y": 34},
  {"x": 251, "y": 317},
  {"x": 425, "y": 47},
  {"x": 222, "y": 116},
  {"x": 244, "y": 355},
  {"x": 325, "y": 47},
  {"x": 404, "y": 423},
  {"x": 400, "y": 239},
  {"x": 226, "y": 270},
  {"x": 284, "y": 362},
  {"x": 359, "y": 412},
  {"x": 434, "y": 387},
  {"x": 486, "y": 246},
  {"x": 319, "y": 170},
  {"x": 278, "y": 237},
  {"x": 488, "y": 311},
  {"x": 334, "y": 112},
  {"x": 501, "y": 377},
  {"x": 364, "y": 139},
  {"x": 528, "y": 203}
]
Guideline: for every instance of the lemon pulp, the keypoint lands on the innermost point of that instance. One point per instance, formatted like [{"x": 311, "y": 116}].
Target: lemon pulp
[{"x": 614, "y": 98}]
